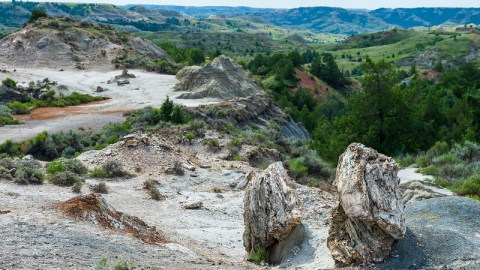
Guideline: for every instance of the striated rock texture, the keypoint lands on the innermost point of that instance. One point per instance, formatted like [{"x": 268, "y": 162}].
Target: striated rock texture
[
  {"x": 415, "y": 191},
  {"x": 369, "y": 214},
  {"x": 272, "y": 213},
  {"x": 223, "y": 78}
]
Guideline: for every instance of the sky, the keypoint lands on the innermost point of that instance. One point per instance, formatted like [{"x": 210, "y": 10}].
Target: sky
[{"x": 356, "y": 4}]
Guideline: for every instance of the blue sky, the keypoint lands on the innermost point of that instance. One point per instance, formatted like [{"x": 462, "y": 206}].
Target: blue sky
[{"x": 362, "y": 4}]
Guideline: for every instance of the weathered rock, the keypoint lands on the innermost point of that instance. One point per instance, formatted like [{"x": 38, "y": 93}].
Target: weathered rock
[
  {"x": 223, "y": 78},
  {"x": 369, "y": 214},
  {"x": 95, "y": 209},
  {"x": 415, "y": 191},
  {"x": 123, "y": 82},
  {"x": 193, "y": 206},
  {"x": 272, "y": 212}
]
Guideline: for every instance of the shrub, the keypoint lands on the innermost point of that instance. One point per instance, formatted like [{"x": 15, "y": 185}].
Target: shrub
[
  {"x": 469, "y": 151},
  {"x": 438, "y": 149},
  {"x": 74, "y": 166},
  {"x": 430, "y": 170},
  {"x": 99, "y": 172},
  {"x": 212, "y": 143},
  {"x": 406, "y": 161},
  {"x": 297, "y": 167},
  {"x": 65, "y": 178},
  {"x": 196, "y": 125},
  {"x": 178, "y": 168},
  {"x": 259, "y": 255},
  {"x": 8, "y": 82},
  {"x": 422, "y": 161},
  {"x": 99, "y": 188},
  {"x": 190, "y": 136},
  {"x": 114, "y": 168},
  {"x": 77, "y": 187},
  {"x": 471, "y": 186},
  {"x": 179, "y": 115},
  {"x": 37, "y": 14},
  {"x": 150, "y": 186},
  {"x": 29, "y": 172},
  {"x": 55, "y": 167},
  {"x": 17, "y": 107}
]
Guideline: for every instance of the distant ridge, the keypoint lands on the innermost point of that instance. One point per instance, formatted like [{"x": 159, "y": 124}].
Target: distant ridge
[{"x": 316, "y": 19}]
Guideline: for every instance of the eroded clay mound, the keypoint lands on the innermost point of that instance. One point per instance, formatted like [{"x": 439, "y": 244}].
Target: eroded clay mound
[
  {"x": 64, "y": 43},
  {"x": 94, "y": 208},
  {"x": 223, "y": 79}
]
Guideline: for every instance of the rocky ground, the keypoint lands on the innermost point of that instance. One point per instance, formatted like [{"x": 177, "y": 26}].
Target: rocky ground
[{"x": 206, "y": 238}]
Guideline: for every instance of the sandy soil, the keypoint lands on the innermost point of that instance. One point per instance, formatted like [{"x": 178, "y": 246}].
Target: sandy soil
[{"x": 147, "y": 89}]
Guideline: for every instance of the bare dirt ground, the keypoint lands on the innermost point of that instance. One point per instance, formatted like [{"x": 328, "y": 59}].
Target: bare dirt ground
[
  {"x": 147, "y": 89},
  {"x": 37, "y": 236}
]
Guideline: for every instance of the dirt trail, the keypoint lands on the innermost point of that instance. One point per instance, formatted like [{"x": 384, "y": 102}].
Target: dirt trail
[{"x": 147, "y": 89}]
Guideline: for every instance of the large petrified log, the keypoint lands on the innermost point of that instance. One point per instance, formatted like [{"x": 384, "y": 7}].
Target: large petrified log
[
  {"x": 272, "y": 213},
  {"x": 369, "y": 213}
]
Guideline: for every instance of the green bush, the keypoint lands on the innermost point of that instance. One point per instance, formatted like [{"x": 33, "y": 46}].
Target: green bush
[
  {"x": 212, "y": 143},
  {"x": 406, "y": 161},
  {"x": 190, "y": 136},
  {"x": 99, "y": 188},
  {"x": 196, "y": 125},
  {"x": 471, "y": 186},
  {"x": 438, "y": 149},
  {"x": 430, "y": 170},
  {"x": 64, "y": 178},
  {"x": 8, "y": 82},
  {"x": 55, "y": 167},
  {"x": 114, "y": 168},
  {"x": 29, "y": 172},
  {"x": 19, "y": 108},
  {"x": 99, "y": 172},
  {"x": 259, "y": 255},
  {"x": 422, "y": 161},
  {"x": 297, "y": 167}
]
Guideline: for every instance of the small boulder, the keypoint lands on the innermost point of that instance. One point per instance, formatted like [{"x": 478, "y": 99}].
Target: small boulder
[
  {"x": 369, "y": 214},
  {"x": 272, "y": 215}
]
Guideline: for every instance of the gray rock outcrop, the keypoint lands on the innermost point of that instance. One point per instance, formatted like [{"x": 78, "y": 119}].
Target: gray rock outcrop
[
  {"x": 272, "y": 214},
  {"x": 369, "y": 215},
  {"x": 443, "y": 233},
  {"x": 223, "y": 79}
]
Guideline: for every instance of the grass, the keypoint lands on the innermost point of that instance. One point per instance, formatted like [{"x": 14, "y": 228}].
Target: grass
[
  {"x": 259, "y": 255},
  {"x": 63, "y": 101}
]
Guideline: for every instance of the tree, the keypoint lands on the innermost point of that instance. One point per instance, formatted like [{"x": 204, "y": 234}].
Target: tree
[
  {"x": 166, "y": 109},
  {"x": 37, "y": 14},
  {"x": 377, "y": 117},
  {"x": 196, "y": 57}
]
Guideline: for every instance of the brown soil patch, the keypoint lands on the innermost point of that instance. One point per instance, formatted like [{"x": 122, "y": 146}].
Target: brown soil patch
[
  {"x": 306, "y": 81},
  {"x": 94, "y": 208},
  {"x": 47, "y": 113}
]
